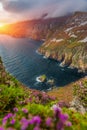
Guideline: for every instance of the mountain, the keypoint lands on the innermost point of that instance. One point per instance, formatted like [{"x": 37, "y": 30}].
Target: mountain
[
  {"x": 36, "y": 29},
  {"x": 69, "y": 43}
]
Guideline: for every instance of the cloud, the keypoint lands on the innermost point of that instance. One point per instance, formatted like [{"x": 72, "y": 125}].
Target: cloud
[
  {"x": 69, "y": 6},
  {"x": 28, "y": 9},
  {"x": 15, "y": 6}
]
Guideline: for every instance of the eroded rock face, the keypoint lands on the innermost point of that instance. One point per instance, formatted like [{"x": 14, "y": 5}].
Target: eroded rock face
[
  {"x": 47, "y": 54},
  {"x": 77, "y": 106},
  {"x": 73, "y": 60},
  {"x": 69, "y": 43}
]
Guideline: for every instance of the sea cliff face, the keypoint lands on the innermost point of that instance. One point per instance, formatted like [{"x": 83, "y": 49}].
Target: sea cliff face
[
  {"x": 38, "y": 29},
  {"x": 69, "y": 43}
]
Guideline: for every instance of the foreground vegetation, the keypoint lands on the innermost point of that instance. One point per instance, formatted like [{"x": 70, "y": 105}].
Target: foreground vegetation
[{"x": 24, "y": 109}]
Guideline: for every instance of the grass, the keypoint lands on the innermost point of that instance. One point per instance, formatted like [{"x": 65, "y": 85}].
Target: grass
[
  {"x": 62, "y": 94},
  {"x": 74, "y": 44}
]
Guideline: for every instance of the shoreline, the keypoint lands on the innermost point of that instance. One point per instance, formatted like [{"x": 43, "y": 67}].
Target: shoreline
[
  {"x": 66, "y": 92},
  {"x": 59, "y": 92},
  {"x": 48, "y": 54}
]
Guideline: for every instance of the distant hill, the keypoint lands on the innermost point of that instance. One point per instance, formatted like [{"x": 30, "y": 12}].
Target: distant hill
[{"x": 36, "y": 29}]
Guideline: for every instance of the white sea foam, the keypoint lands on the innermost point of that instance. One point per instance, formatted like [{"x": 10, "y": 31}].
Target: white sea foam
[
  {"x": 38, "y": 80},
  {"x": 44, "y": 57},
  {"x": 38, "y": 52},
  {"x": 49, "y": 89}
]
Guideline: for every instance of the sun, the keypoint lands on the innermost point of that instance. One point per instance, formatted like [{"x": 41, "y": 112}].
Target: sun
[{"x": 1, "y": 25}]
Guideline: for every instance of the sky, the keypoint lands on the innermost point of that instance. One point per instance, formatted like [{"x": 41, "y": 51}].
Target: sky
[{"x": 17, "y": 10}]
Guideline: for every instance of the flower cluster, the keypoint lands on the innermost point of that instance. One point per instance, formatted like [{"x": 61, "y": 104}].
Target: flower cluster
[
  {"x": 37, "y": 97},
  {"x": 23, "y": 120}
]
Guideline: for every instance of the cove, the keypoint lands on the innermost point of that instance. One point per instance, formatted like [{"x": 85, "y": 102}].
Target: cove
[{"x": 21, "y": 59}]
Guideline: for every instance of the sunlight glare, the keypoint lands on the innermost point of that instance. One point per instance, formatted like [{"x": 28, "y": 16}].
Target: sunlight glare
[{"x": 1, "y": 25}]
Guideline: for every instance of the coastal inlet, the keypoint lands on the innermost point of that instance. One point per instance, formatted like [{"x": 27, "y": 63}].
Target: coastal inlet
[{"x": 32, "y": 69}]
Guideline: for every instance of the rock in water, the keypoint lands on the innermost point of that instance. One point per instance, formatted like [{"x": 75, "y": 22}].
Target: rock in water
[{"x": 42, "y": 78}]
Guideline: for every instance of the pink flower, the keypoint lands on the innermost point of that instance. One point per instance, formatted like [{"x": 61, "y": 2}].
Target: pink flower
[
  {"x": 6, "y": 118},
  {"x": 9, "y": 115},
  {"x": 15, "y": 109},
  {"x": 63, "y": 117},
  {"x": 25, "y": 110},
  {"x": 36, "y": 128},
  {"x": 31, "y": 122},
  {"x": 1, "y": 128},
  {"x": 24, "y": 123},
  {"x": 37, "y": 120},
  {"x": 12, "y": 121},
  {"x": 60, "y": 126},
  {"x": 56, "y": 108},
  {"x": 4, "y": 121},
  {"x": 69, "y": 124},
  {"x": 48, "y": 121}
]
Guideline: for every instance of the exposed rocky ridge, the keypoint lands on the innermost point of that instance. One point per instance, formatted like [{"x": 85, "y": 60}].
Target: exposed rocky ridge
[
  {"x": 69, "y": 43},
  {"x": 36, "y": 29}
]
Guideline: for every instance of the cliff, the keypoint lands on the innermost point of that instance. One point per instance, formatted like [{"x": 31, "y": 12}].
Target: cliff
[
  {"x": 36, "y": 29},
  {"x": 65, "y": 38},
  {"x": 69, "y": 43}
]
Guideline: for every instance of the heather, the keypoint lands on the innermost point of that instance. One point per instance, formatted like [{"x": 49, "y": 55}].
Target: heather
[
  {"x": 80, "y": 95},
  {"x": 81, "y": 90},
  {"x": 24, "y": 109},
  {"x": 29, "y": 109}
]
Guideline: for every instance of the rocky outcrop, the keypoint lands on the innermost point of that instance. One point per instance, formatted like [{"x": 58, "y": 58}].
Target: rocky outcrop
[
  {"x": 79, "y": 102},
  {"x": 68, "y": 58},
  {"x": 42, "y": 78},
  {"x": 77, "y": 106}
]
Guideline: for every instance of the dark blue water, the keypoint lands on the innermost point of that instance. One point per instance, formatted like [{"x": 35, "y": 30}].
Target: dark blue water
[{"x": 21, "y": 60}]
